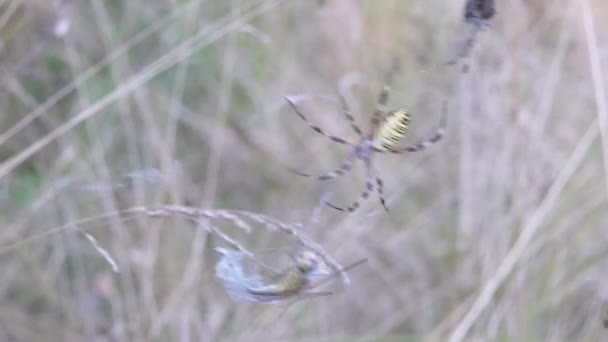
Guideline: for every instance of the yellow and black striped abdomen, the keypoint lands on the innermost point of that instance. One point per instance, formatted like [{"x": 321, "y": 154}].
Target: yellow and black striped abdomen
[{"x": 392, "y": 130}]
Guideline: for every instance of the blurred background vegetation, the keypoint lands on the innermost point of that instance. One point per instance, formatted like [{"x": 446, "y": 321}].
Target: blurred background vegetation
[{"x": 496, "y": 233}]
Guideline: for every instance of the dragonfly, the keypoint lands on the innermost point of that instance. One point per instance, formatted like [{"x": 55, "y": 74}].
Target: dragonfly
[{"x": 297, "y": 282}]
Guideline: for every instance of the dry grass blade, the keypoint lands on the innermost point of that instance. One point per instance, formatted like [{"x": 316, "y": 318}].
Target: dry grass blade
[
  {"x": 492, "y": 236},
  {"x": 102, "y": 251},
  {"x": 598, "y": 81},
  {"x": 171, "y": 58},
  {"x": 199, "y": 216},
  {"x": 270, "y": 223},
  {"x": 86, "y": 75},
  {"x": 529, "y": 230}
]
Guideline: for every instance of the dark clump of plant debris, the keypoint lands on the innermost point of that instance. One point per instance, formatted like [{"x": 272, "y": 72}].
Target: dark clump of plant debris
[
  {"x": 479, "y": 12},
  {"x": 477, "y": 17}
]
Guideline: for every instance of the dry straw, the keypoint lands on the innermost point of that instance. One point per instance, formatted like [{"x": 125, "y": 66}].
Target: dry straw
[{"x": 203, "y": 218}]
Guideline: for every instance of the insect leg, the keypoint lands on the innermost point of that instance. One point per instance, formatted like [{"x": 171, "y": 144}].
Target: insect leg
[
  {"x": 339, "y": 271},
  {"x": 309, "y": 295}
]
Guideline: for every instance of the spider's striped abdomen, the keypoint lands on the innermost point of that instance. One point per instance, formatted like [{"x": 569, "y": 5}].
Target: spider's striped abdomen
[{"x": 392, "y": 130}]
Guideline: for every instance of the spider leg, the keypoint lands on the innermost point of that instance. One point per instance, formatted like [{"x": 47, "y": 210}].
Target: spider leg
[
  {"x": 380, "y": 190},
  {"x": 348, "y": 115},
  {"x": 369, "y": 187},
  {"x": 425, "y": 143},
  {"x": 317, "y": 129},
  {"x": 380, "y": 109},
  {"x": 341, "y": 170}
]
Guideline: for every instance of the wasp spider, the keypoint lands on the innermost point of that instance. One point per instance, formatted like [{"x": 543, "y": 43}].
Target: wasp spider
[{"x": 387, "y": 129}]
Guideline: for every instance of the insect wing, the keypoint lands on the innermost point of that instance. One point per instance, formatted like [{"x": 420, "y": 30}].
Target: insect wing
[{"x": 235, "y": 278}]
